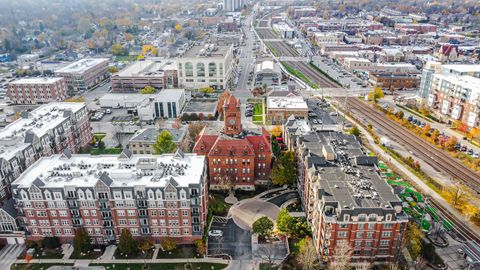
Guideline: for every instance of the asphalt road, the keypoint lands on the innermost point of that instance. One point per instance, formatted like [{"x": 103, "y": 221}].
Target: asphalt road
[{"x": 235, "y": 241}]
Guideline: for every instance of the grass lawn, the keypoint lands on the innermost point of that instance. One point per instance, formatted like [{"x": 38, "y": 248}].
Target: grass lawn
[
  {"x": 100, "y": 151},
  {"x": 44, "y": 254},
  {"x": 92, "y": 255},
  {"x": 182, "y": 251},
  {"x": 299, "y": 75},
  {"x": 258, "y": 112},
  {"x": 34, "y": 266},
  {"x": 126, "y": 58},
  {"x": 138, "y": 255},
  {"x": 164, "y": 266},
  {"x": 99, "y": 136}
]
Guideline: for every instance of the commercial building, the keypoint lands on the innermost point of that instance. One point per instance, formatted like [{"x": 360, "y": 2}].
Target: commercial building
[
  {"x": 237, "y": 157},
  {"x": 155, "y": 196},
  {"x": 203, "y": 66},
  {"x": 394, "y": 81},
  {"x": 159, "y": 74},
  {"x": 285, "y": 30},
  {"x": 167, "y": 103},
  {"x": 47, "y": 130},
  {"x": 279, "y": 109},
  {"x": 84, "y": 74},
  {"x": 357, "y": 63},
  {"x": 37, "y": 90},
  {"x": 27, "y": 61},
  {"x": 346, "y": 200},
  {"x": 452, "y": 92},
  {"x": 232, "y": 5},
  {"x": 143, "y": 140},
  {"x": 328, "y": 37}
]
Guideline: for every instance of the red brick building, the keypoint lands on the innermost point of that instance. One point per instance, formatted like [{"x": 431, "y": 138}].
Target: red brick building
[
  {"x": 236, "y": 157},
  {"x": 37, "y": 90}
]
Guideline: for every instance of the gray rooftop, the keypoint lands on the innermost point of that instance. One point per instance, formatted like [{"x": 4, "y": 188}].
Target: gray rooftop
[
  {"x": 350, "y": 181},
  {"x": 207, "y": 51},
  {"x": 151, "y": 134}
]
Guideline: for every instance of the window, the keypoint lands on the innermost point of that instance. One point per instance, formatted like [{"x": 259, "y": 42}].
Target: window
[
  {"x": 212, "y": 69},
  {"x": 388, "y": 225},
  {"x": 358, "y": 243},
  {"x": 342, "y": 234},
  {"x": 200, "y": 70},
  {"x": 386, "y": 234},
  {"x": 384, "y": 242},
  {"x": 188, "y": 69},
  {"x": 359, "y": 234},
  {"x": 343, "y": 226}
]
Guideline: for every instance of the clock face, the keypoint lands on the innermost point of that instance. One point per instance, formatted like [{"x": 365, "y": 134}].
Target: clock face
[{"x": 232, "y": 121}]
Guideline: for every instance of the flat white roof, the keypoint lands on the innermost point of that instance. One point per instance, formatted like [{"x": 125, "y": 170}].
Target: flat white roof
[
  {"x": 82, "y": 170},
  {"x": 40, "y": 120},
  {"x": 37, "y": 80},
  {"x": 82, "y": 65},
  {"x": 357, "y": 59},
  {"x": 463, "y": 68},
  {"x": 146, "y": 68},
  {"x": 294, "y": 102}
]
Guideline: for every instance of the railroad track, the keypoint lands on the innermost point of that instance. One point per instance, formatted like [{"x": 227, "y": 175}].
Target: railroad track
[
  {"x": 461, "y": 228},
  {"x": 314, "y": 75},
  {"x": 283, "y": 49},
  {"x": 435, "y": 157}
]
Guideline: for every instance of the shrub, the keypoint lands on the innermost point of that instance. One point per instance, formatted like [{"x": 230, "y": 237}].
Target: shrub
[
  {"x": 51, "y": 242},
  {"x": 168, "y": 244}
]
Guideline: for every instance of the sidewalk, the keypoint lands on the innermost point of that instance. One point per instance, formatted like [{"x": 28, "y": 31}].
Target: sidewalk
[
  {"x": 107, "y": 261},
  {"x": 424, "y": 187}
]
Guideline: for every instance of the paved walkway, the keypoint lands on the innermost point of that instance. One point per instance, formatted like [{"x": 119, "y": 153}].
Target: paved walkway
[
  {"x": 9, "y": 254},
  {"x": 246, "y": 212},
  {"x": 424, "y": 187},
  {"x": 231, "y": 199},
  {"x": 155, "y": 252},
  {"x": 82, "y": 262},
  {"x": 109, "y": 252},
  {"x": 67, "y": 250}
]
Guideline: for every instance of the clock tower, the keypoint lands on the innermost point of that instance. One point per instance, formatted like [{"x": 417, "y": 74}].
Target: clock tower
[{"x": 232, "y": 116}]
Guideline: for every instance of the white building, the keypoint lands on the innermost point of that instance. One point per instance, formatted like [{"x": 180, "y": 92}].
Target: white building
[
  {"x": 356, "y": 63},
  {"x": 285, "y": 30},
  {"x": 232, "y": 5},
  {"x": 26, "y": 61},
  {"x": 84, "y": 74},
  {"x": 167, "y": 103},
  {"x": 328, "y": 37},
  {"x": 203, "y": 66}
]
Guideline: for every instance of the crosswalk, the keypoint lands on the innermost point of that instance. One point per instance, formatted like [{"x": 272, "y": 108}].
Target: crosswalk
[
  {"x": 218, "y": 219},
  {"x": 9, "y": 254}
]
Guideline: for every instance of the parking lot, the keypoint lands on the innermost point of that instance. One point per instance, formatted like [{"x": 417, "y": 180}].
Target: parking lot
[
  {"x": 235, "y": 241},
  {"x": 339, "y": 73},
  {"x": 320, "y": 115}
]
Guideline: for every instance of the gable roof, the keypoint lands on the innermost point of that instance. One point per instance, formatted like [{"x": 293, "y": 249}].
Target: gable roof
[
  {"x": 126, "y": 154},
  {"x": 231, "y": 102}
]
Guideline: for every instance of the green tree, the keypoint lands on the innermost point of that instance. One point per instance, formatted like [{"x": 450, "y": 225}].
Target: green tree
[
  {"x": 81, "y": 241},
  {"x": 276, "y": 148},
  {"x": 164, "y": 143},
  {"x": 354, "y": 131},
  {"x": 126, "y": 244},
  {"x": 145, "y": 244},
  {"x": 200, "y": 247},
  {"x": 284, "y": 170},
  {"x": 263, "y": 227},
  {"x": 413, "y": 240},
  {"x": 51, "y": 242},
  {"x": 118, "y": 49},
  {"x": 168, "y": 244},
  {"x": 148, "y": 90},
  {"x": 284, "y": 222}
]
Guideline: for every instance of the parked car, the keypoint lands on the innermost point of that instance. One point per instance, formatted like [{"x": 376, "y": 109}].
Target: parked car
[
  {"x": 108, "y": 111},
  {"x": 215, "y": 233}
]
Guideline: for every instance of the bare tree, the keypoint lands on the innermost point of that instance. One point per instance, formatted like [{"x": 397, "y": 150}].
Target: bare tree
[
  {"x": 307, "y": 255},
  {"x": 342, "y": 255},
  {"x": 266, "y": 252},
  {"x": 365, "y": 265},
  {"x": 393, "y": 266},
  {"x": 420, "y": 263}
]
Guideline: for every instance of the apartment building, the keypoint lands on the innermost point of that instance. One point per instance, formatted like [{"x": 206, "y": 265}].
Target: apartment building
[
  {"x": 84, "y": 74},
  {"x": 237, "y": 157},
  {"x": 204, "y": 66},
  {"x": 394, "y": 81},
  {"x": 279, "y": 109},
  {"x": 143, "y": 140},
  {"x": 346, "y": 200},
  {"x": 452, "y": 92},
  {"x": 158, "y": 196},
  {"x": 357, "y": 63},
  {"x": 160, "y": 74},
  {"x": 37, "y": 90},
  {"x": 49, "y": 129}
]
